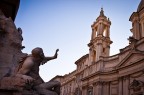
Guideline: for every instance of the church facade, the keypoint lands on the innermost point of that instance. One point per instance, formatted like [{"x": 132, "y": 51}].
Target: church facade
[{"x": 98, "y": 73}]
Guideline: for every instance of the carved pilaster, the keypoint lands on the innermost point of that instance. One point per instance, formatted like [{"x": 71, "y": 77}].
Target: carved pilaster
[
  {"x": 99, "y": 87},
  {"x": 106, "y": 88},
  {"x": 126, "y": 82},
  {"x": 120, "y": 86}
]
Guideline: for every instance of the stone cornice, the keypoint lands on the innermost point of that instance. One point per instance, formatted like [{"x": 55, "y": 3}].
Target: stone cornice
[
  {"x": 104, "y": 21},
  {"x": 82, "y": 58},
  {"x": 98, "y": 73},
  {"x": 127, "y": 57},
  {"x": 100, "y": 37},
  {"x": 129, "y": 66},
  {"x": 134, "y": 15},
  {"x": 68, "y": 80}
]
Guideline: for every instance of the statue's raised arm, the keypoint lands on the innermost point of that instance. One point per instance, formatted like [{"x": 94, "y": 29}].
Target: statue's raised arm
[{"x": 50, "y": 58}]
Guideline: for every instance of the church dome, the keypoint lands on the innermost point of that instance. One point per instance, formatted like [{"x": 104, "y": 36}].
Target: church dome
[{"x": 141, "y": 6}]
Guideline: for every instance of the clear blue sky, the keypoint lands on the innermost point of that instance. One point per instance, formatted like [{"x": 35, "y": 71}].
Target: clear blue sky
[{"x": 66, "y": 24}]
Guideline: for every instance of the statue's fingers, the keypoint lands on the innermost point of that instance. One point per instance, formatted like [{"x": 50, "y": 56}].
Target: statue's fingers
[
  {"x": 57, "y": 50},
  {"x": 30, "y": 81},
  {"x": 27, "y": 81},
  {"x": 33, "y": 79}
]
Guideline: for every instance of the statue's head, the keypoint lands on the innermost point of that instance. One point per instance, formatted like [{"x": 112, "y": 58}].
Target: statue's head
[{"x": 38, "y": 52}]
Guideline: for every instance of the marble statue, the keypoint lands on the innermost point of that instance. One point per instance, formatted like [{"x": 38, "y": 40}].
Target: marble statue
[
  {"x": 19, "y": 72},
  {"x": 29, "y": 71}
]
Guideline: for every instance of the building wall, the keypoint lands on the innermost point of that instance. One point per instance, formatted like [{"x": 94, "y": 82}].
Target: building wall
[
  {"x": 113, "y": 79},
  {"x": 120, "y": 74}
]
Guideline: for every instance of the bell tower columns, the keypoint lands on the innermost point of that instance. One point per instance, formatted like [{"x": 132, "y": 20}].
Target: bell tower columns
[{"x": 100, "y": 39}]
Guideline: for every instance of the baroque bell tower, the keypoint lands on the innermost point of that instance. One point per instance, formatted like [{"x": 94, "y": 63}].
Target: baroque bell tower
[{"x": 100, "y": 39}]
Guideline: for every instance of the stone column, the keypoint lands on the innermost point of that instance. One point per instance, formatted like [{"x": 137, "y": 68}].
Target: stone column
[
  {"x": 136, "y": 30},
  {"x": 142, "y": 30},
  {"x": 109, "y": 88},
  {"x": 108, "y": 50},
  {"x": 90, "y": 56},
  {"x": 105, "y": 88},
  {"x": 101, "y": 28},
  {"x": 94, "y": 89},
  {"x": 124, "y": 86},
  {"x": 93, "y": 34},
  {"x": 120, "y": 91},
  {"x": 127, "y": 85},
  {"x": 107, "y": 31},
  {"x": 99, "y": 88},
  {"x": 84, "y": 90},
  {"x": 98, "y": 50},
  {"x": 98, "y": 29}
]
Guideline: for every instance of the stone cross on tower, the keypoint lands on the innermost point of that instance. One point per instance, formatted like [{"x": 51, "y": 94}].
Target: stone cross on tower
[{"x": 100, "y": 39}]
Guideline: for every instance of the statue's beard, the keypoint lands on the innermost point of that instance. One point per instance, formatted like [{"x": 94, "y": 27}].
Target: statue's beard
[{"x": 42, "y": 58}]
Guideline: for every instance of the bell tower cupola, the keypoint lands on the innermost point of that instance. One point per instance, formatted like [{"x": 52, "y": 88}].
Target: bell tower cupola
[{"x": 100, "y": 39}]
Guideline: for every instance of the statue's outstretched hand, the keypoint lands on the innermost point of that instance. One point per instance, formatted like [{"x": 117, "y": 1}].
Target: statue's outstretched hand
[
  {"x": 56, "y": 53},
  {"x": 57, "y": 50}
]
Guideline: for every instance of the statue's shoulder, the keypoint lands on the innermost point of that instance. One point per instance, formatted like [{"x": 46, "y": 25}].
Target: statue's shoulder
[
  {"x": 24, "y": 61},
  {"x": 28, "y": 60},
  {"x": 23, "y": 58}
]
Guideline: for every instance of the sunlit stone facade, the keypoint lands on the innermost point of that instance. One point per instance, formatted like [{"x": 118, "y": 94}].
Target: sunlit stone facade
[{"x": 97, "y": 73}]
